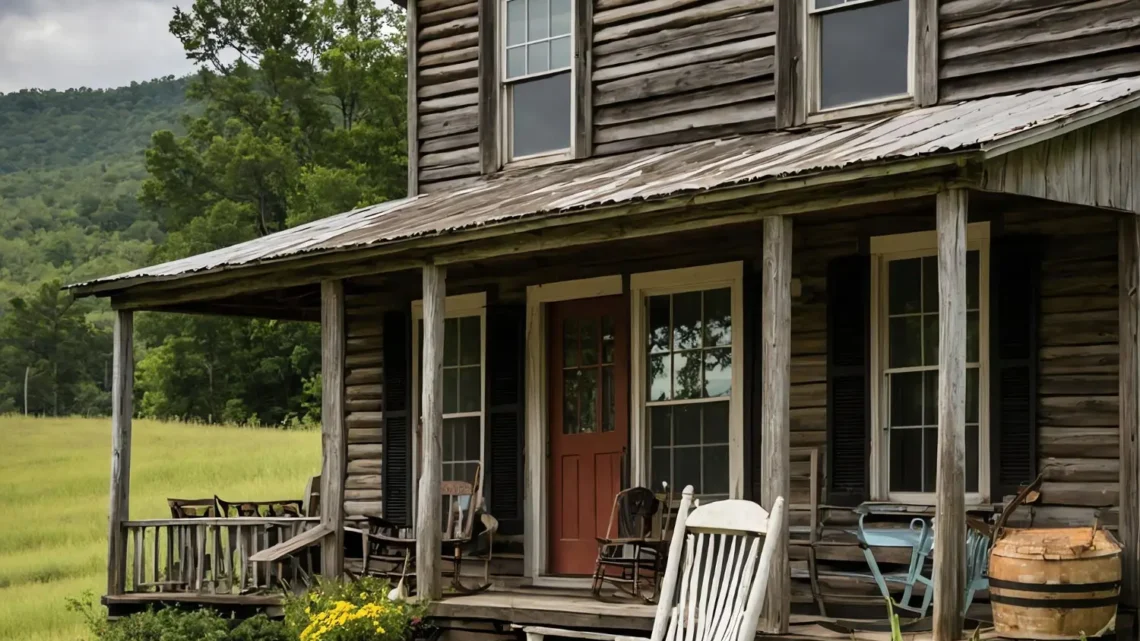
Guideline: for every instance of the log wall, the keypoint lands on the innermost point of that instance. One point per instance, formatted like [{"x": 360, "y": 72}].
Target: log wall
[
  {"x": 673, "y": 71},
  {"x": 364, "y": 372},
  {"x": 991, "y": 47},
  {"x": 447, "y": 92}
]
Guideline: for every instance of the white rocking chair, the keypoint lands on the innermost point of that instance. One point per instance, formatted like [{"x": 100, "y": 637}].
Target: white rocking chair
[{"x": 716, "y": 577}]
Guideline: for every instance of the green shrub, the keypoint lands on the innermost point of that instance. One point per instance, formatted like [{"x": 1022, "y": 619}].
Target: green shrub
[
  {"x": 351, "y": 611},
  {"x": 172, "y": 624}
]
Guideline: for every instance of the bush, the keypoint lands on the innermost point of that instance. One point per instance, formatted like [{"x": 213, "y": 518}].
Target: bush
[
  {"x": 172, "y": 624},
  {"x": 355, "y": 611}
]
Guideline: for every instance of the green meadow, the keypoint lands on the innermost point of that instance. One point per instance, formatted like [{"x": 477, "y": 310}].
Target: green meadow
[{"x": 54, "y": 476}]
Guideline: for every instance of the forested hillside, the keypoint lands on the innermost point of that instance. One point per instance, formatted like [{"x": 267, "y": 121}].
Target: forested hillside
[{"x": 296, "y": 112}]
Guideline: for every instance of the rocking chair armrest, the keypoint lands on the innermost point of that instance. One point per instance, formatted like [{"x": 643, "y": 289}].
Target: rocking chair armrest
[
  {"x": 538, "y": 633},
  {"x": 388, "y": 539}
]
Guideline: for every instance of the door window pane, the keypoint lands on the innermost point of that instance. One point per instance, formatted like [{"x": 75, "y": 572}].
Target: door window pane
[
  {"x": 864, "y": 53},
  {"x": 541, "y": 110}
]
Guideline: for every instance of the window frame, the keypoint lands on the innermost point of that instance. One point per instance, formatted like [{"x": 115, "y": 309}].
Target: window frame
[
  {"x": 463, "y": 306},
  {"x": 913, "y": 245},
  {"x": 810, "y": 37},
  {"x": 505, "y": 88},
  {"x": 679, "y": 281}
]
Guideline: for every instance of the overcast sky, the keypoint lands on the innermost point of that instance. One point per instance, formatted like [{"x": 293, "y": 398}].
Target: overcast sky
[{"x": 58, "y": 44}]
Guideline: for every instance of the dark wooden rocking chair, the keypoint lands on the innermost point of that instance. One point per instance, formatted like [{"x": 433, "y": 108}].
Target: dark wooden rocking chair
[
  {"x": 632, "y": 555},
  {"x": 390, "y": 555}
]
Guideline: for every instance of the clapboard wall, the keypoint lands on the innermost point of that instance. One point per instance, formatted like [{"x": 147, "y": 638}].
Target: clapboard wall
[
  {"x": 672, "y": 71},
  {"x": 447, "y": 91},
  {"x": 1077, "y": 417},
  {"x": 364, "y": 394},
  {"x": 990, "y": 47}
]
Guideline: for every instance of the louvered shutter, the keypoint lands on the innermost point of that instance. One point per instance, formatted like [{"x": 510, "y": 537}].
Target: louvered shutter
[
  {"x": 506, "y": 347},
  {"x": 1015, "y": 266},
  {"x": 848, "y": 379},
  {"x": 753, "y": 383},
  {"x": 396, "y": 475}
]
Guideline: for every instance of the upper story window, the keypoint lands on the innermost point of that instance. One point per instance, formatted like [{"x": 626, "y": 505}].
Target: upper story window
[
  {"x": 537, "y": 61},
  {"x": 860, "y": 53}
]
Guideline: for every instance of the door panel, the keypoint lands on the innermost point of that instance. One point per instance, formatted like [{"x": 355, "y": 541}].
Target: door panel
[{"x": 589, "y": 425}]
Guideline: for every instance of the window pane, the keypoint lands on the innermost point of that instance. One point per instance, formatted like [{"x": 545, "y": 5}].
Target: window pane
[
  {"x": 660, "y": 425},
  {"x": 538, "y": 57},
  {"x": 450, "y": 341},
  {"x": 659, "y": 373},
  {"x": 863, "y": 53},
  {"x": 973, "y": 300},
  {"x": 687, "y": 320},
  {"x": 516, "y": 62},
  {"x": 906, "y": 399},
  {"x": 972, "y": 458},
  {"x": 906, "y": 341},
  {"x": 930, "y": 339},
  {"x": 972, "y": 338},
  {"x": 541, "y": 115},
  {"x": 559, "y": 17},
  {"x": 469, "y": 340},
  {"x": 930, "y": 284},
  {"x": 589, "y": 342},
  {"x": 516, "y": 22},
  {"x": 687, "y": 425},
  {"x": 972, "y": 394},
  {"x": 718, "y": 372},
  {"x": 609, "y": 338},
  {"x": 588, "y": 400},
  {"x": 661, "y": 468},
  {"x": 570, "y": 343},
  {"x": 658, "y": 324},
  {"x": 929, "y": 458},
  {"x": 609, "y": 409},
  {"x": 687, "y": 368},
  {"x": 715, "y": 421},
  {"x": 470, "y": 392},
  {"x": 906, "y": 285},
  {"x": 906, "y": 460},
  {"x": 450, "y": 390},
  {"x": 538, "y": 19},
  {"x": 718, "y": 317},
  {"x": 687, "y": 468},
  {"x": 560, "y": 53},
  {"x": 930, "y": 398},
  {"x": 715, "y": 466},
  {"x": 570, "y": 403}
]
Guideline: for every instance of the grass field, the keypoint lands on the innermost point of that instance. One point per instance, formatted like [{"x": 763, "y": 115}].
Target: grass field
[{"x": 54, "y": 475}]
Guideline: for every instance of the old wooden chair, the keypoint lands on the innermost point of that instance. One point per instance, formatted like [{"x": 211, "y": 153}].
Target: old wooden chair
[
  {"x": 631, "y": 556},
  {"x": 388, "y": 554},
  {"x": 716, "y": 576}
]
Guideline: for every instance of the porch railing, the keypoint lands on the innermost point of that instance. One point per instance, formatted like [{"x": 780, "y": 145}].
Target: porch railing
[{"x": 211, "y": 555}]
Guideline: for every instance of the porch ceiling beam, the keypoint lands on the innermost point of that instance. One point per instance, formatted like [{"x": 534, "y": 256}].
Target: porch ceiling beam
[
  {"x": 635, "y": 221},
  {"x": 950, "y": 511},
  {"x": 428, "y": 509},
  {"x": 775, "y": 419},
  {"x": 122, "y": 386},
  {"x": 334, "y": 436},
  {"x": 1129, "y": 528}
]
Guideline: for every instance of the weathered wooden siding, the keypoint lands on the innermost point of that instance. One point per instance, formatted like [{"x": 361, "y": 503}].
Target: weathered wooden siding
[
  {"x": 1001, "y": 46},
  {"x": 364, "y": 369},
  {"x": 671, "y": 71},
  {"x": 447, "y": 92}
]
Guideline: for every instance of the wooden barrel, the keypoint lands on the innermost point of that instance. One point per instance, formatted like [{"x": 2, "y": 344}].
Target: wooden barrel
[{"x": 1055, "y": 583}]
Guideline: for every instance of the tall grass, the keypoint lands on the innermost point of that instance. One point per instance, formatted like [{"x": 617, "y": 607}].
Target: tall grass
[{"x": 53, "y": 500}]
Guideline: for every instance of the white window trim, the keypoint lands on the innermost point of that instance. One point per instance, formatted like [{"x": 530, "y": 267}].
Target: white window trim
[
  {"x": 675, "y": 281},
  {"x": 884, "y": 249},
  {"x": 810, "y": 40},
  {"x": 454, "y": 307},
  {"x": 506, "y": 117}
]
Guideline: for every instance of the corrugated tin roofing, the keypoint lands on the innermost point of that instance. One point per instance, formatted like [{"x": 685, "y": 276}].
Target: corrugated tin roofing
[{"x": 657, "y": 174}]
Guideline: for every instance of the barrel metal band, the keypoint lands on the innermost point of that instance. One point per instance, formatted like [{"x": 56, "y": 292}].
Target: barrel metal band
[
  {"x": 1068, "y": 604},
  {"x": 1054, "y": 588}
]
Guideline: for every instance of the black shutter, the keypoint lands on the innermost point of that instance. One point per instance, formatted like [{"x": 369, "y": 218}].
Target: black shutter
[
  {"x": 1015, "y": 266},
  {"x": 506, "y": 347},
  {"x": 753, "y": 383},
  {"x": 848, "y": 379},
  {"x": 397, "y": 471}
]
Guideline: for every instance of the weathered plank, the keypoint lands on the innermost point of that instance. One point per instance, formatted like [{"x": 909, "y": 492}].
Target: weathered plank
[
  {"x": 122, "y": 409},
  {"x": 429, "y": 528},
  {"x": 334, "y": 439},
  {"x": 487, "y": 147},
  {"x": 1129, "y": 402},
  {"x": 672, "y": 41},
  {"x": 694, "y": 15},
  {"x": 681, "y": 79},
  {"x": 413, "y": 29}
]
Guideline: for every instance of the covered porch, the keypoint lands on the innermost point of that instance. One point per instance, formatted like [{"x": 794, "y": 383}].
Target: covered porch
[{"x": 771, "y": 259}]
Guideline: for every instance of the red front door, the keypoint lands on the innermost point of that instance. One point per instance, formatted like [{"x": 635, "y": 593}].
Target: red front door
[{"x": 589, "y": 425}]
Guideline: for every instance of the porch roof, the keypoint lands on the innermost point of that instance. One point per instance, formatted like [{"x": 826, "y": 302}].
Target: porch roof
[{"x": 942, "y": 134}]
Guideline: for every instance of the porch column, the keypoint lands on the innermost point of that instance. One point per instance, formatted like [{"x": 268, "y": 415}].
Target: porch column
[
  {"x": 950, "y": 514},
  {"x": 1129, "y": 269},
  {"x": 775, "y": 412},
  {"x": 428, "y": 526},
  {"x": 334, "y": 436},
  {"x": 122, "y": 407}
]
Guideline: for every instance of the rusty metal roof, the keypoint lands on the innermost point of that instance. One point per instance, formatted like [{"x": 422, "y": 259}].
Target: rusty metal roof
[{"x": 971, "y": 126}]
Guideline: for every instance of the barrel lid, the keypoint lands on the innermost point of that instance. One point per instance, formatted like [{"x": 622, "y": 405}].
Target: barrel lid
[{"x": 1056, "y": 543}]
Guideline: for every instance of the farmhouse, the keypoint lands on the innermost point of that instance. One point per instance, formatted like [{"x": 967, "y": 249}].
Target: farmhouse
[{"x": 877, "y": 253}]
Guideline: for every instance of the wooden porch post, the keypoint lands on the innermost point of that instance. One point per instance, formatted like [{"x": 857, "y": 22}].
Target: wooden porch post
[
  {"x": 775, "y": 413},
  {"x": 1129, "y": 269},
  {"x": 122, "y": 407},
  {"x": 428, "y": 526},
  {"x": 334, "y": 437},
  {"x": 950, "y": 513}
]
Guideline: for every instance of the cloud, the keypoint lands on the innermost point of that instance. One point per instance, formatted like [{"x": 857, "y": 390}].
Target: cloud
[{"x": 59, "y": 44}]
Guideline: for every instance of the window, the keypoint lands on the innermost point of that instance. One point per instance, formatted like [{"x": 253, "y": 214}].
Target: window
[
  {"x": 463, "y": 358},
  {"x": 860, "y": 52},
  {"x": 690, "y": 367},
  {"x": 537, "y": 61},
  {"x": 906, "y": 322}
]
